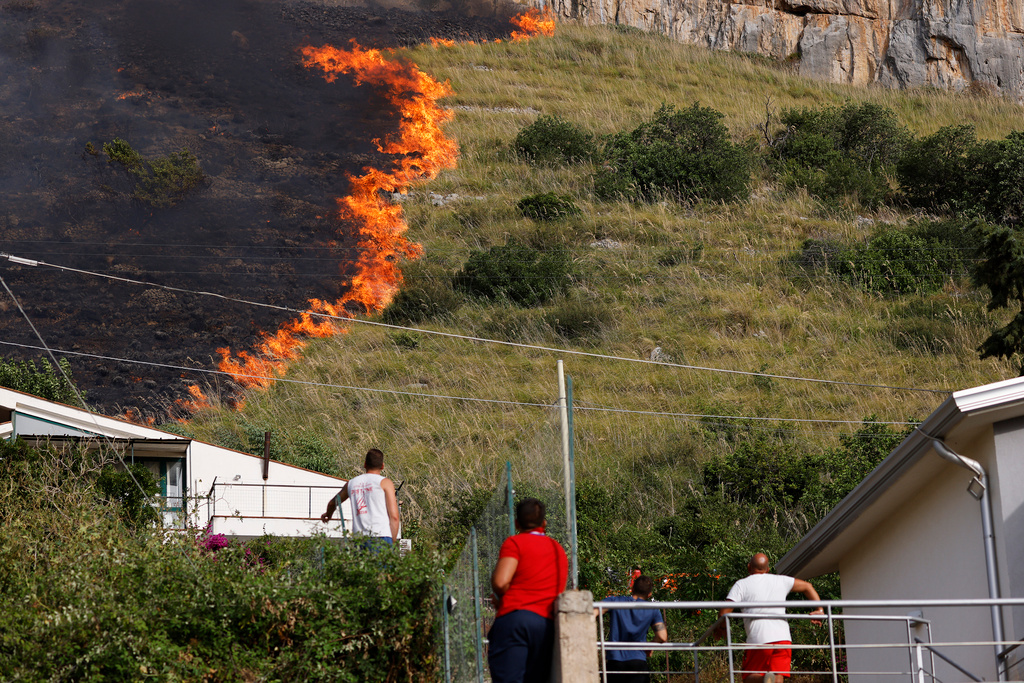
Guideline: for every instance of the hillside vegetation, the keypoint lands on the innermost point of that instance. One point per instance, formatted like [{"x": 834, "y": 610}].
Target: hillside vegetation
[{"x": 734, "y": 286}]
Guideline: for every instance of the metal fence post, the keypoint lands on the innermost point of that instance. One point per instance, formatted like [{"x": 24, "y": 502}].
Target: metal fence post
[
  {"x": 476, "y": 609},
  {"x": 447, "y": 642},
  {"x": 728, "y": 644},
  {"x": 510, "y": 495},
  {"x": 571, "y": 509}
]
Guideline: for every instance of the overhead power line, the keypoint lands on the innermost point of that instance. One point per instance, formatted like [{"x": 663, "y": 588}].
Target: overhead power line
[
  {"x": 419, "y": 394},
  {"x": 532, "y": 347}
]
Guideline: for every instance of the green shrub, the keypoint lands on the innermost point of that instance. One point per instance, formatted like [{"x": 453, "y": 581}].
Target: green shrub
[
  {"x": 1007, "y": 199},
  {"x": 552, "y": 140},
  {"x": 840, "y": 152},
  {"x": 547, "y": 207},
  {"x": 894, "y": 261},
  {"x": 685, "y": 154},
  {"x": 130, "y": 491},
  {"x": 81, "y": 600},
  {"x": 421, "y": 299},
  {"x": 45, "y": 381},
  {"x": 161, "y": 182},
  {"x": 939, "y": 172},
  {"x": 578, "y": 319},
  {"x": 516, "y": 272}
]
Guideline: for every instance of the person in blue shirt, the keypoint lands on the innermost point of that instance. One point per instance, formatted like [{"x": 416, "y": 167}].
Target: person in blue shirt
[{"x": 631, "y": 626}]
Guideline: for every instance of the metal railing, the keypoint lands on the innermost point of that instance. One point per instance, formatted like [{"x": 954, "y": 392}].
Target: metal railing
[
  {"x": 920, "y": 655},
  {"x": 269, "y": 501}
]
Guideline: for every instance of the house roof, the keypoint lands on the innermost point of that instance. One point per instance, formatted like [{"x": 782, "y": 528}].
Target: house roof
[
  {"x": 959, "y": 420},
  {"x": 73, "y": 423}
]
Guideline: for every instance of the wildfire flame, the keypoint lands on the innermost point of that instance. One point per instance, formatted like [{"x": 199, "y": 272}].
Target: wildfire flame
[
  {"x": 422, "y": 151},
  {"x": 533, "y": 23}
]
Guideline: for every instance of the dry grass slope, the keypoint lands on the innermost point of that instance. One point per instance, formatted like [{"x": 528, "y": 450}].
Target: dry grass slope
[{"x": 738, "y": 306}]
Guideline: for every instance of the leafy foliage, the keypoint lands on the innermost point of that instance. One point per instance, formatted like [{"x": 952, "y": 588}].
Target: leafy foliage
[
  {"x": 898, "y": 261},
  {"x": 81, "y": 600},
  {"x": 685, "y": 154},
  {"x": 547, "y": 207},
  {"x": 1002, "y": 272},
  {"x": 516, "y": 272},
  {"x": 552, "y": 140},
  {"x": 130, "y": 490},
  {"x": 161, "y": 182},
  {"x": 837, "y": 152},
  {"x": 44, "y": 381}
]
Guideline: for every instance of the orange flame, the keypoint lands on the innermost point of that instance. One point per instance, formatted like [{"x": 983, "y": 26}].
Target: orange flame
[
  {"x": 422, "y": 152},
  {"x": 533, "y": 23}
]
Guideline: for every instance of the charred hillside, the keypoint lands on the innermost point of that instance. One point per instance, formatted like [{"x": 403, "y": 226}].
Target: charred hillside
[{"x": 274, "y": 142}]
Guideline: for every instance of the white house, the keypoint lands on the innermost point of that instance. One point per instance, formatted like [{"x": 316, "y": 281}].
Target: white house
[
  {"x": 917, "y": 528},
  {"x": 236, "y": 494}
]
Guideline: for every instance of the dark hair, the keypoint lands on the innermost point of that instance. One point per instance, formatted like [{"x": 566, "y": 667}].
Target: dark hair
[
  {"x": 529, "y": 514},
  {"x": 643, "y": 585},
  {"x": 374, "y": 460}
]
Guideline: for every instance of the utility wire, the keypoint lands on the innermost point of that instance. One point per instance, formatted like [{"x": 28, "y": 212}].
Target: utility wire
[
  {"x": 533, "y": 347},
  {"x": 168, "y": 366},
  {"x": 81, "y": 401}
]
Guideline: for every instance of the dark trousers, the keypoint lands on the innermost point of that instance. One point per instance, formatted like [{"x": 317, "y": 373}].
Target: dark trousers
[
  {"x": 519, "y": 647},
  {"x": 630, "y": 671}
]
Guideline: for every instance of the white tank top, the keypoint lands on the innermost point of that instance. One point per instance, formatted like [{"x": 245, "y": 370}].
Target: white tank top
[{"x": 369, "y": 506}]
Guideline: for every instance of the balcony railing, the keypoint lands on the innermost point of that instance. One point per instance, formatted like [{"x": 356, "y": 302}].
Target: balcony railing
[{"x": 268, "y": 501}]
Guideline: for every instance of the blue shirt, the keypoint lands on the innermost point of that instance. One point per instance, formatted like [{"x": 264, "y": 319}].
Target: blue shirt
[{"x": 630, "y": 626}]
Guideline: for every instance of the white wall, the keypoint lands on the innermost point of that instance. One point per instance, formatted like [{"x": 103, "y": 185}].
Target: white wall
[
  {"x": 932, "y": 548},
  {"x": 1006, "y": 477},
  {"x": 288, "y": 503}
]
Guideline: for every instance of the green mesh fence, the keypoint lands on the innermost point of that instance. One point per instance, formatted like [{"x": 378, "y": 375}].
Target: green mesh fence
[{"x": 467, "y": 609}]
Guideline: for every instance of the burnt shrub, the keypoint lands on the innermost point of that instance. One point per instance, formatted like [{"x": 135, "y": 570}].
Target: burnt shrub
[
  {"x": 685, "y": 154},
  {"x": 516, "y": 272},
  {"x": 547, "y": 207},
  {"x": 554, "y": 141},
  {"x": 847, "y": 151},
  {"x": 161, "y": 182}
]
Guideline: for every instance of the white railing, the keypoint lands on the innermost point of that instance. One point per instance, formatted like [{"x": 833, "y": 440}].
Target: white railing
[
  {"x": 924, "y": 660},
  {"x": 269, "y": 501}
]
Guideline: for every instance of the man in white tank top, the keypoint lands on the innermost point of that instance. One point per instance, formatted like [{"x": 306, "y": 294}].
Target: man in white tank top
[
  {"x": 767, "y": 664},
  {"x": 374, "y": 504}
]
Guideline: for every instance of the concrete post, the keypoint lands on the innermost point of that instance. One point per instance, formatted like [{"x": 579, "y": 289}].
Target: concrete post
[{"x": 575, "y": 659}]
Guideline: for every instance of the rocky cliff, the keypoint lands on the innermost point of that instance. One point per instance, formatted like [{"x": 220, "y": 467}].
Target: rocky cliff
[{"x": 958, "y": 44}]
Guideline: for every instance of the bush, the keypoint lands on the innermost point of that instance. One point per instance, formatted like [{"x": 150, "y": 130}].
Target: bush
[
  {"x": 547, "y": 207},
  {"x": 685, "y": 154},
  {"x": 81, "y": 600},
  {"x": 45, "y": 381},
  {"x": 895, "y": 261},
  {"x": 578, "y": 319},
  {"x": 552, "y": 140},
  {"x": 837, "y": 152},
  {"x": 516, "y": 272},
  {"x": 939, "y": 172},
  {"x": 161, "y": 182},
  {"x": 422, "y": 298}
]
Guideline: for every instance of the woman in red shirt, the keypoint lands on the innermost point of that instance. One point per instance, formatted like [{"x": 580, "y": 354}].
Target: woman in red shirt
[{"x": 531, "y": 572}]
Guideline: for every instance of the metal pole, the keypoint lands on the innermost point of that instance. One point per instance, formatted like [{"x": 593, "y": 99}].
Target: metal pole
[
  {"x": 832, "y": 644},
  {"x": 993, "y": 581},
  {"x": 476, "y": 609},
  {"x": 447, "y": 642},
  {"x": 571, "y": 508},
  {"x": 563, "y": 410},
  {"x": 728, "y": 643},
  {"x": 510, "y": 494}
]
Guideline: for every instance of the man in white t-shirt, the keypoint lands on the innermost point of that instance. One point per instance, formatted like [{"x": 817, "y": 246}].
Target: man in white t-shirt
[
  {"x": 767, "y": 664},
  {"x": 374, "y": 504}
]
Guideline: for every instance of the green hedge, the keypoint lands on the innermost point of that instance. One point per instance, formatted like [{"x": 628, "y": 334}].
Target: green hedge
[{"x": 85, "y": 598}]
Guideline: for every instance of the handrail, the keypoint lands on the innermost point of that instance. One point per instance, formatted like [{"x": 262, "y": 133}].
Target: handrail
[{"x": 931, "y": 648}]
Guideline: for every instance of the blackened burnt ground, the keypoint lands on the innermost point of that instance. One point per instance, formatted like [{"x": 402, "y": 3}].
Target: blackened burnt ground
[{"x": 223, "y": 80}]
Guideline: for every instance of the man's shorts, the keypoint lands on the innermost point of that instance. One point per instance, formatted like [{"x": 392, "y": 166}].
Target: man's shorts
[{"x": 762, "y": 660}]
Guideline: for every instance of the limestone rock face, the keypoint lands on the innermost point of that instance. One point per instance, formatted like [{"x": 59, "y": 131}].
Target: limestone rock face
[{"x": 901, "y": 43}]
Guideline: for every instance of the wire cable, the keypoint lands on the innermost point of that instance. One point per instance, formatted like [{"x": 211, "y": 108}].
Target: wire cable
[
  {"x": 532, "y": 347},
  {"x": 448, "y": 397}
]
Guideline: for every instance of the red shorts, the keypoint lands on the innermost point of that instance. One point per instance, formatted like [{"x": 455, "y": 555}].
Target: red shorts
[{"x": 763, "y": 659}]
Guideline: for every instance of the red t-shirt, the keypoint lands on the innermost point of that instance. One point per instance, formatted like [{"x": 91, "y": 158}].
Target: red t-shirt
[{"x": 539, "y": 577}]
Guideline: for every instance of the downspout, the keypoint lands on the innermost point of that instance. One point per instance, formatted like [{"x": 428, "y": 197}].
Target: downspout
[{"x": 978, "y": 488}]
